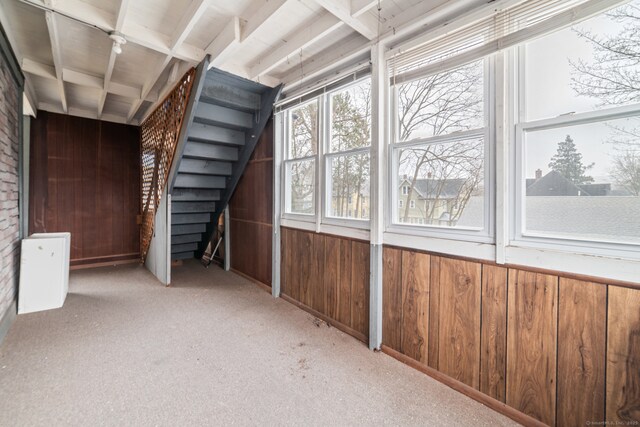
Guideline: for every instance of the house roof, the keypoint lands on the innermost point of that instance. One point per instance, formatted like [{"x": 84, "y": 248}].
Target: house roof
[
  {"x": 66, "y": 54},
  {"x": 428, "y": 188}
]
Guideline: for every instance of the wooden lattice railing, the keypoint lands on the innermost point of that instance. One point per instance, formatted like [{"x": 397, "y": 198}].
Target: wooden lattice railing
[{"x": 159, "y": 137}]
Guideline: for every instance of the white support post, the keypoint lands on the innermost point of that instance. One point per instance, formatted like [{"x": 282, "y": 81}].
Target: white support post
[
  {"x": 168, "y": 240},
  {"x": 502, "y": 161},
  {"x": 378, "y": 184},
  {"x": 277, "y": 198},
  {"x": 227, "y": 239}
]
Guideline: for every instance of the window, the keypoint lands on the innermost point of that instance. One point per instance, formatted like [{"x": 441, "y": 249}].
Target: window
[
  {"x": 400, "y": 203},
  {"x": 348, "y": 154},
  {"x": 579, "y": 134},
  {"x": 441, "y": 147},
  {"x": 328, "y": 144},
  {"x": 301, "y": 158}
]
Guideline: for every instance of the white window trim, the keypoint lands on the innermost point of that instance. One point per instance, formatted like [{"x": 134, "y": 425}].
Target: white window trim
[
  {"x": 484, "y": 235},
  {"x": 326, "y": 218},
  {"x": 286, "y": 136},
  {"x": 537, "y": 241}
]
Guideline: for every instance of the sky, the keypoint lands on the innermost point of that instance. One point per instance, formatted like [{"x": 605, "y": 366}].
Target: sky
[{"x": 549, "y": 94}]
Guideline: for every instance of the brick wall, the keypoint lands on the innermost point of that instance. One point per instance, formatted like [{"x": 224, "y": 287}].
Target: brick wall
[{"x": 10, "y": 117}]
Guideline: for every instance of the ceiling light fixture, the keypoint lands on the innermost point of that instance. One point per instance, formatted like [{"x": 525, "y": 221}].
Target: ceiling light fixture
[{"x": 118, "y": 41}]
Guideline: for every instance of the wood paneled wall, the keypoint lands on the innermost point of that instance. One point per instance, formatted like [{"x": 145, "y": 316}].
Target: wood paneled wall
[
  {"x": 328, "y": 275},
  {"x": 251, "y": 212},
  {"x": 563, "y": 351},
  {"x": 85, "y": 179}
]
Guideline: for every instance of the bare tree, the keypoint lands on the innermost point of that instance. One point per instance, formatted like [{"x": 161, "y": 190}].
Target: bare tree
[
  {"x": 440, "y": 104},
  {"x": 613, "y": 78},
  {"x": 350, "y": 129},
  {"x": 627, "y": 171},
  {"x": 303, "y": 143}
]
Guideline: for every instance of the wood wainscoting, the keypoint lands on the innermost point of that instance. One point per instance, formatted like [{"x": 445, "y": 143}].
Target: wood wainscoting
[
  {"x": 561, "y": 350},
  {"x": 251, "y": 212},
  {"x": 328, "y": 276},
  {"x": 85, "y": 179}
]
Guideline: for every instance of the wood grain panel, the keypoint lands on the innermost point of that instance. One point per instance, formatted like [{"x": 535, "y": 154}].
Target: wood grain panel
[
  {"x": 303, "y": 253},
  {"x": 416, "y": 270},
  {"x": 623, "y": 356},
  {"x": 531, "y": 344},
  {"x": 459, "y": 336},
  {"x": 434, "y": 312},
  {"x": 360, "y": 254},
  {"x": 84, "y": 179},
  {"x": 293, "y": 262},
  {"x": 582, "y": 322},
  {"x": 493, "y": 339},
  {"x": 392, "y": 298},
  {"x": 316, "y": 280},
  {"x": 252, "y": 203},
  {"x": 337, "y": 278},
  {"x": 285, "y": 261},
  {"x": 251, "y": 249}
]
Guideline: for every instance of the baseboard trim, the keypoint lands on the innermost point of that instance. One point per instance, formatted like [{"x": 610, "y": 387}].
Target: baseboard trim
[
  {"x": 7, "y": 320},
  {"x": 460, "y": 387}
]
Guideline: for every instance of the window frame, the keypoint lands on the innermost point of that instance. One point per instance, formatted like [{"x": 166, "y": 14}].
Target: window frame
[
  {"x": 519, "y": 125},
  {"x": 466, "y": 234},
  {"x": 287, "y": 159},
  {"x": 325, "y": 218}
]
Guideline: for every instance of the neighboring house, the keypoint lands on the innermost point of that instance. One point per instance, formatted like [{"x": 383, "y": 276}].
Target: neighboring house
[
  {"x": 353, "y": 207},
  {"x": 433, "y": 201},
  {"x": 555, "y": 184}
]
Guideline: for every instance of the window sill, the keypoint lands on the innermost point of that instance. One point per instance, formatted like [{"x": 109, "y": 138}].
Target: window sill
[
  {"x": 462, "y": 248},
  {"x": 598, "y": 266}
]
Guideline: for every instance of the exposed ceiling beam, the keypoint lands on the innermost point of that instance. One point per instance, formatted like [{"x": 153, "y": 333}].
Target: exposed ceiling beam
[
  {"x": 314, "y": 31},
  {"x": 358, "y": 7},
  {"x": 122, "y": 13},
  {"x": 238, "y": 31},
  {"x": 29, "y": 92},
  {"x": 30, "y": 98},
  {"x": 71, "y": 76},
  {"x": 366, "y": 24},
  {"x": 416, "y": 20},
  {"x": 225, "y": 43},
  {"x": 189, "y": 19},
  {"x": 134, "y": 33},
  {"x": 57, "y": 56},
  {"x": 346, "y": 52},
  {"x": 261, "y": 12}
]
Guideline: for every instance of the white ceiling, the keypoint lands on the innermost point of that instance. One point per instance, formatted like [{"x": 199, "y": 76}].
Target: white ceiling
[{"x": 65, "y": 52}]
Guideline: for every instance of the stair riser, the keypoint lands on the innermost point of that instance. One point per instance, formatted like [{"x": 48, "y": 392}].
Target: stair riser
[
  {"x": 194, "y": 195},
  {"x": 223, "y": 116},
  {"x": 204, "y": 151},
  {"x": 188, "y": 229},
  {"x": 199, "y": 181},
  {"x": 204, "y": 167},
  {"x": 215, "y": 134},
  {"x": 192, "y": 207},
  {"x": 197, "y": 218},
  {"x": 186, "y": 238},
  {"x": 187, "y": 247}
]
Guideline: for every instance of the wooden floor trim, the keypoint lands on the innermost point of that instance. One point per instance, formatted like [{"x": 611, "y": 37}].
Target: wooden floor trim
[
  {"x": 346, "y": 329},
  {"x": 471, "y": 392},
  {"x": 105, "y": 263}
]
